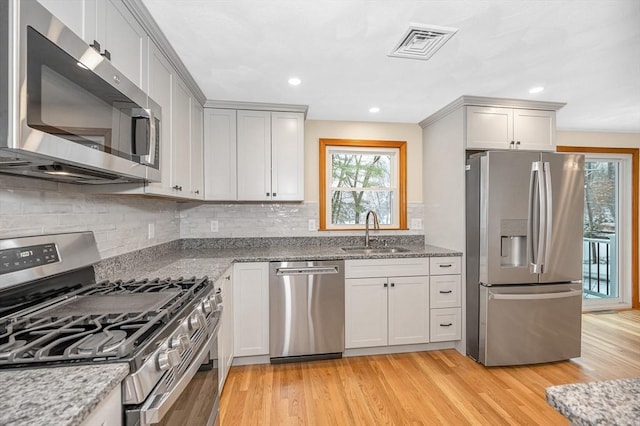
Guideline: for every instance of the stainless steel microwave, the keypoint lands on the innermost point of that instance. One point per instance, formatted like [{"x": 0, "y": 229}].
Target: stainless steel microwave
[{"x": 67, "y": 114}]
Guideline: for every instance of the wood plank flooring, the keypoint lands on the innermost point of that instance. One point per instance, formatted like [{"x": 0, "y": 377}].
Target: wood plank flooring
[{"x": 426, "y": 388}]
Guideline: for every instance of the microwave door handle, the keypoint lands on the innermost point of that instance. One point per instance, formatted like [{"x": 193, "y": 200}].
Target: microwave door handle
[{"x": 150, "y": 158}]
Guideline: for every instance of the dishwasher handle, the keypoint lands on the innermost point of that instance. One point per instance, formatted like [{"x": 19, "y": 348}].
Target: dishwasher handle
[{"x": 307, "y": 270}]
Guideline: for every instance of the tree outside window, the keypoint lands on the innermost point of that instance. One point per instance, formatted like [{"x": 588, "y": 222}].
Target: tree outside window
[{"x": 358, "y": 176}]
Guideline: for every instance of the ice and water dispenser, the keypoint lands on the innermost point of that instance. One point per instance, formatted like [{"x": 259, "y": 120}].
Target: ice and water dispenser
[{"x": 513, "y": 243}]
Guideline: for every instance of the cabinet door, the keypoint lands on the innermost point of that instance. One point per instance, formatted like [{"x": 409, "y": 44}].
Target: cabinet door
[
  {"x": 254, "y": 155},
  {"x": 287, "y": 156},
  {"x": 78, "y": 15},
  {"x": 125, "y": 39},
  {"x": 160, "y": 82},
  {"x": 181, "y": 139},
  {"x": 251, "y": 309},
  {"x": 408, "y": 310},
  {"x": 196, "y": 162},
  {"x": 534, "y": 129},
  {"x": 108, "y": 412},
  {"x": 365, "y": 312},
  {"x": 489, "y": 127},
  {"x": 220, "y": 154},
  {"x": 225, "y": 336}
]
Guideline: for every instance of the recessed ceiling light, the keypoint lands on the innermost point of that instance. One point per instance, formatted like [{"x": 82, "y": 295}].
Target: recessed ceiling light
[
  {"x": 294, "y": 81},
  {"x": 374, "y": 109},
  {"x": 536, "y": 89}
]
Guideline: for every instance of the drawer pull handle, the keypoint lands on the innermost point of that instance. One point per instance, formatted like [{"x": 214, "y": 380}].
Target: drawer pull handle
[
  {"x": 448, "y": 265},
  {"x": 446, "y": 325},
  {"x": 445, "y": 291}
]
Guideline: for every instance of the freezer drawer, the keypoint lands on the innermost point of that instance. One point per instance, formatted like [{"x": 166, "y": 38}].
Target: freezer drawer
[{"x": 530, "y": 324}]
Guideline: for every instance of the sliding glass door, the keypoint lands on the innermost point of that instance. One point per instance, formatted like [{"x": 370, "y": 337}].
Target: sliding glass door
[{"x": 607, "y": 230}]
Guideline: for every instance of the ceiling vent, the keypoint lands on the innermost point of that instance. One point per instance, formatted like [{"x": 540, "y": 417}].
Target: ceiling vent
[{"x": 422, "y": 41}]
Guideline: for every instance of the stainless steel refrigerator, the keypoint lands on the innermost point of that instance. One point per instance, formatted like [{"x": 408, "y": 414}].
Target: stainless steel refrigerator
[{"x": 524, "y": 215}]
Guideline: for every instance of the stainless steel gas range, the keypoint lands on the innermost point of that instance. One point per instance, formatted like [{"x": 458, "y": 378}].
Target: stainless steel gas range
[{"x": 54, "y": 313}]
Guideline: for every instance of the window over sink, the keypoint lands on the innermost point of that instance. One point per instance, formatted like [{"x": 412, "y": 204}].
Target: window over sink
[{"x": 361, "y": 175}]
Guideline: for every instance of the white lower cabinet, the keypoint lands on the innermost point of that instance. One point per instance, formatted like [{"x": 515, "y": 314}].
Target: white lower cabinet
[
  {"x": 392, "y": 302},
  {"x": 225, "y": 334},
  {"x": 445, "y": 324},
  {"x": 386, "y": 308},
  {"x": 251, "y": 309},
  {"x": 108, "y": 412},
  {"x": 445, "y": 289}
]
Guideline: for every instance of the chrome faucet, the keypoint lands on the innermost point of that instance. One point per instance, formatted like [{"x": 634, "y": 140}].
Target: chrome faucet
[{"x": 376, "y": 225}]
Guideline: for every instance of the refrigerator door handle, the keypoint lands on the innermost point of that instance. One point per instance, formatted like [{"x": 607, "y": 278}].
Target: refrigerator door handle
[
  {"x": 535, "y": 296},
  {"x": 546, "y": 226},
  {"x": 535, "y": 220}
]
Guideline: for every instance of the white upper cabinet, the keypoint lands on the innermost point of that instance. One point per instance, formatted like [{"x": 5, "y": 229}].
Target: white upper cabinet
[
  {"x": 160, "y": 82},
  {"x": 112, "y": 25},
  {"x": 254, "y": 155},
  {"x": 510, "y": 128},
  {"x": 196, "y": 164},
  {"x": 220, "y": 154},
  {"x": 287, "y": 156},
  {"x": 186, "y": 143}
]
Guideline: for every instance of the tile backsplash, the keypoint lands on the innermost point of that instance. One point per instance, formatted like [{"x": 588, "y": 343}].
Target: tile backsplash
[
  {"x": 265, "y": 220},
  {"x": 121, "y": 223}
]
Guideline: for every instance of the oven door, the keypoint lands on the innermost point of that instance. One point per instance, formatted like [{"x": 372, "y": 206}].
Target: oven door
[{"x": 192, "y": 399}]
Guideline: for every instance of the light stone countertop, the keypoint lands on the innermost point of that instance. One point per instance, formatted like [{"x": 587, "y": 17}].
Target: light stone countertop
[
  {"x": 60, "y": 396},
  {"x": 212, "y": 262},
  {"x": 609, "y": 402}
]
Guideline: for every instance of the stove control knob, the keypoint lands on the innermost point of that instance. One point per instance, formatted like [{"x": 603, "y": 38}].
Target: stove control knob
[
  {"x": 168, "y": 359},
  {"x": 207, "y": 307},
  {"x": 195, "y": 322},
  {"x": 180, "y": 342}
]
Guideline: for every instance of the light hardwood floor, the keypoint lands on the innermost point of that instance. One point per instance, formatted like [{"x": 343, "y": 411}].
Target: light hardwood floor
[{"x": 426, "y": 388}]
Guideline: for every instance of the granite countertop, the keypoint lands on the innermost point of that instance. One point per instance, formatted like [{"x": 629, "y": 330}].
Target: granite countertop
[
  {"x": 610, "y": 402},
  {"x": 213, "y": 261},
  {"x": 61, "y": 396}
]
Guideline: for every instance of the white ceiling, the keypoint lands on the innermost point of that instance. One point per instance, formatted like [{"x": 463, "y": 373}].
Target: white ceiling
[{"x": 584, "y": 52}]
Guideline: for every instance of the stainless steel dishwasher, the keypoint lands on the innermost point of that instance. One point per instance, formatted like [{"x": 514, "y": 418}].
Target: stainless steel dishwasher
[{"x": 306, "y": 310}]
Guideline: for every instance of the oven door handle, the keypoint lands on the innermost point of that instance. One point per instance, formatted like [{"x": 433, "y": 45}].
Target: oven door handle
[{"x": 157, "y": 407}]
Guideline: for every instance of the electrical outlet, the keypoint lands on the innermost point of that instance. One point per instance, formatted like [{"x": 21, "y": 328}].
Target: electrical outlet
[
  {"x": 312, "y": 225},
  {"x": 214, "y": 226},
  {"x": 416, "y": 223},
  {"x": 152, "y": 230}
]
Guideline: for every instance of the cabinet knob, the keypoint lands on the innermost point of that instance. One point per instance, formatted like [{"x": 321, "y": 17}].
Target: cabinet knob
[
  {"x": 511, "y": 144},
  {"x": 518, "y": 145},
  {"x": 268, "y": 194},
  {"x": 197, "y": 191},
  {"x": 274, "y": 194},
  {"x": 106, "y": 54},
  {"x": 385, "y": 284},
  {"x": 393, "y": 284},
  {"x": 177, "y": 188}
]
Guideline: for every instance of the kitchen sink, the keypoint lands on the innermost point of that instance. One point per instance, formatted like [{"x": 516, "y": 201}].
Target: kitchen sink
[{"x": 374, "y": 250}]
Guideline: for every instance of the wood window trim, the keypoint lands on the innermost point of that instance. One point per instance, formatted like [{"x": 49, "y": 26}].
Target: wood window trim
[
  {"x": 635, "y": 177},
  {"x": 402, "y": 176}
]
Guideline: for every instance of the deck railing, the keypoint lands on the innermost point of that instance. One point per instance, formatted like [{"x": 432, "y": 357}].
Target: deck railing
[{"x": 598, "y": 270}]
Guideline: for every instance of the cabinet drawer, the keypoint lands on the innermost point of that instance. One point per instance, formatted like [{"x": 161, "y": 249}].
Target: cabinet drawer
[
  {"x": 444, "y": 291},
  {"x": 444, "y": 265},
  {"x": 398, "y": 267},
  {"x": 445, "y": 324}
]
